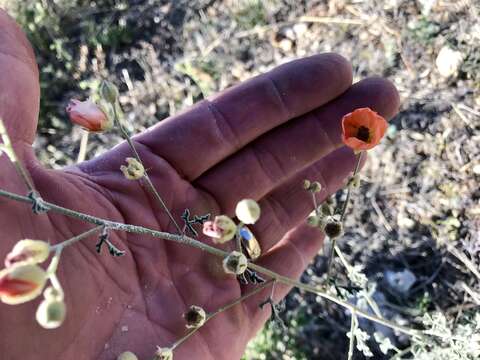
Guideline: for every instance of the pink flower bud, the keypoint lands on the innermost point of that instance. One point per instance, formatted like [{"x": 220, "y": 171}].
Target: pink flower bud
[
  {"x": 88, "y": 115},
  {"x": 221, "y": 229},
  {"x": 28, "y": 252},
  {"x": 21, "y": 283}
]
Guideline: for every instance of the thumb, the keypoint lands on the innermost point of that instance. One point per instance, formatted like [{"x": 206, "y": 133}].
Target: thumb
[{"x": 19, "y": 85}]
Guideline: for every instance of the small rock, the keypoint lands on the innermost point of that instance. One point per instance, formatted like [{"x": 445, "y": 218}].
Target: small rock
[
  {"x": 300, "y": 29},
  {"x": 400, "y": 281},
  {"x": 285, "y": 44},
  {"x": 405, "y": 222},
  {"x": 476, "y": 169},
  {"x": 448, "y": 61}
]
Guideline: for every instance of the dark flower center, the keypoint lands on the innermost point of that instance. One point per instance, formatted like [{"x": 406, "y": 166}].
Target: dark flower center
[
  {"x": 193, "y": 317},
  {"x": 333, "y": 229},
  {"x": 363, "y": 134}
]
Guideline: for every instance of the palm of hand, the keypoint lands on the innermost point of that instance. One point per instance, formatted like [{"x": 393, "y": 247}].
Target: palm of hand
[{"x": 243, "y": 143}]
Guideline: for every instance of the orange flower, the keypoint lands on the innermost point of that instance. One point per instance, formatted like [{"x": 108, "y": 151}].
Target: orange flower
[
  {"x": 21, "y": 283},
  {"x": 363, "y": 129},
  {"x": 88, "y": 115}
]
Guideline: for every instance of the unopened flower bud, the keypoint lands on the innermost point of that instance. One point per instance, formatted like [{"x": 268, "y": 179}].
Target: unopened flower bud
[
  {"x": 109, "y": 91},
  {"x": 235, "y": 263},
  {"x": 313, "y": 220},
  {"x": 315, "y": 187},
  {"x": 89, "y": 115},
  {"x": 21, "y": 283},
  {"x": 247, "y": 211},
  {"x": 134, "y": 169},
  {"x": 163, "y": 354},
  {"x": 354, "y": 181},
  {"x": 28, "y": 252},
  {"x": 326, "y": 209},
  {"x": 333, "y": 228},
  {"x": 51, "y": 313},
  {"x": 195, "y": 317},
  {"x": 221, "y": 229},
  {"x": 306, "y": 184},
  {"x": 127, "y": 355}
]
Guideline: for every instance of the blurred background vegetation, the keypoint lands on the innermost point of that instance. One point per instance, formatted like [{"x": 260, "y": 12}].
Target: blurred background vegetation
[{"x": 416, "y": 225}]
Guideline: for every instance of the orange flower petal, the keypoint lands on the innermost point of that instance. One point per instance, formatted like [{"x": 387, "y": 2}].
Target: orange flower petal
[
  {"x": 21, "y": 283},
  {"x": 363, "y": 129}
]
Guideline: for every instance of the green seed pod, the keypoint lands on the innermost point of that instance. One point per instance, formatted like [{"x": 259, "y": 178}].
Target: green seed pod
[
  {"x": 313, "y": 220},
  {"x": 51, "y": 313}
]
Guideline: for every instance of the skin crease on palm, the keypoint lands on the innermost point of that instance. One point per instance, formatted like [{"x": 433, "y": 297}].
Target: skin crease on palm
[{"x": 257, "y": 140}]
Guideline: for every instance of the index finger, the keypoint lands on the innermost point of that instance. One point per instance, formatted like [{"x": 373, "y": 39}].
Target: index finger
[
  {"x": 217, "y": 127},
  {"x": 19, "y": 86}
]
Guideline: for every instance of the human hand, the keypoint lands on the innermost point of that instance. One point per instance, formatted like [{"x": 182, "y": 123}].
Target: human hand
[{"x": 257, "y": 140}]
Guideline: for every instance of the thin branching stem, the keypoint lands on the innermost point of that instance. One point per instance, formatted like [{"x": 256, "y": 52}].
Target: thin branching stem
[
  {"x": 182, "y": 239},
  {"x": 8, "y": 148},
  {"x": 149, "y": 183},
  {"x": 343, "y": 211},
  {"x": 353, "y": 326},
  {"x": 373, "y": 305},
  {"x": 75, "y": 239},
  {"x": 349, "y": 187},
  {"x": 222, "y": 309},
  {"x": 315, "y": 203}
]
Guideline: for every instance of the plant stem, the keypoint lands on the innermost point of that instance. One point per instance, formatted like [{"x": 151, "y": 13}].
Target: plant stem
[
  {"x": 349, "y": 187},
  {"x": 8, "y": 147},
  {"x": 315, "y": 203},
  {"x": 353, "y": 326},
  {"x": 222, "y": 309},
  {"x": 349, "y": 268},
  {"x": 149, "y": 183},
  {"x": 343, "y": 211},
  {"x": 320, "y": 292},
  {"x": 74, "y": 239},
  {"x": 399, "y": 355}
]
